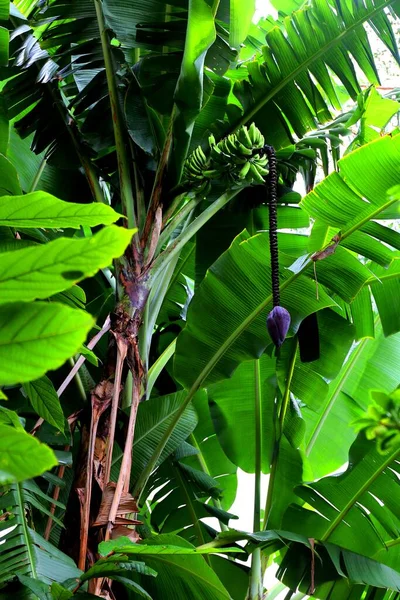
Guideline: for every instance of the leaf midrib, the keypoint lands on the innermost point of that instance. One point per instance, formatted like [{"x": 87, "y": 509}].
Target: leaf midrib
[
  {"x": 25, "y": 532},
  {"x": 357, "y": 352},
  {"x": 148, "y": 431},
  {"x": 4, "y": 219},
  {"x": 342, "y": 513},
  {"x": 157, "y": 425}
]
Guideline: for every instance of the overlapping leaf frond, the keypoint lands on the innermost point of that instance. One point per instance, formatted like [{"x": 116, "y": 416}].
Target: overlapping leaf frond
[
  {"x": 352, "y": 204},
  {"x": 23, "y": 550},
  {"x": 198, "y": 481},
  {"x": 321, "y": 569},
  {"x": 232, "y": 401},
  {"x": 337, "y": 573},
  {"x": 291, "y": 89},
  {"x": 46, "y": 53},
  {"x": 57, "y": 60},
  {"x": 357, "y": 510},
  {"x": 369, "y": 365}
]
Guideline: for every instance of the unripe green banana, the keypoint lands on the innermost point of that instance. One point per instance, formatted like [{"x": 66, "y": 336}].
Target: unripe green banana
[
  {"x": 244, "y": 137},
  {"x": 195, "y": 163},
  {"x": 257, "y": 139},
  {"x": 219, "y": 156},
  {"x": 239, "y": 160},
  {"x": 199, "y": 152},
  {"x": 234, "y": 158},
  {"x": 263, "y": 160},
  {"x": 256, "y": 175},
  {"x": 212, "y": 173},
  {"x": 262, "y": 170},
  {"x": 244, "y": 170},
  {"x": 229, "y": 145},
  {"x": 243, "y": 150}
]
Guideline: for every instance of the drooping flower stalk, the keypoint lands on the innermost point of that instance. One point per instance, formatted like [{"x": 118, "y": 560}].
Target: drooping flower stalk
[{"x": 278, "y": 320}]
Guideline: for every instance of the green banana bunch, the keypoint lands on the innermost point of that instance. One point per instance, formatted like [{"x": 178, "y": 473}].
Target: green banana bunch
[
  {"x": 195, "y": 167},
  {"x": 234, "y": 158}
]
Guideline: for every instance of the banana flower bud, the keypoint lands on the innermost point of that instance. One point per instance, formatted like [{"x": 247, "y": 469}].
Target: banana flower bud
[{"x": 278, "y": 322}]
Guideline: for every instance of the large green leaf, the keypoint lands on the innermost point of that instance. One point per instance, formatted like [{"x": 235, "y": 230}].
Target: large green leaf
[
  {"x": 357, "y": 193},
  {"x": 371, "y": 365},
  {"x": 226, "y": 321},
  {"x": 180, "y": 287},
  {"x": 121, "y": 570},
  {"x": 224, "y": 226},
  {"x": 180, "y": 574},
  {"x": 22, "y": 456},
  {"x": 38, "y": 337},
  {"x": 101, "y": 567},
  {"x": 337, "y": 574},
  {"x": 25, "y": 552},
  {"x": 211, "y": 459},
  {"x": 241, "y": 14},
  {"x": 385, "y": 291},
  {"x": 189, "y": 495},
  {"x": 9, "y": 178},
  {"x": 375, "y": 113},
  {"x": 4, "y": 40},
  {"x": 4, "y": 129},
  {"x": 125, "y": 18},
  {"x": 233, "y": 575},
  {"x": 188, "y": 96},
  {"x": 232, "y": 401},
  {"x": 154, "y": 418},
  {"x": 294, "y": 79},
  {"x": 39, "y": 209},
  {"x": 357, "y": 509},
  {"x": 143, "y": 123},
  {"x": 198, "y": 481},
  {"x": 34, "y": 172},
  {"x": 364, "y": 571},
  {"x": 215, "y": 106},
  {"x": 40, "y": 271},
  {"x": 286, "y": 6},
  {"x": 158, "y": 545},
  {"x": 4, "y": 10}
]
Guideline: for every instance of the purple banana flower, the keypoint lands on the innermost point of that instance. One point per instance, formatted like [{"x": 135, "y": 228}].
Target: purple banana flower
[{"x": 278, "y": 322}]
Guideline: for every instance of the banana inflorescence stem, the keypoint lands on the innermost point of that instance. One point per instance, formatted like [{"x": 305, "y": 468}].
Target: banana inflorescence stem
[{"x": 273, "y": 221}]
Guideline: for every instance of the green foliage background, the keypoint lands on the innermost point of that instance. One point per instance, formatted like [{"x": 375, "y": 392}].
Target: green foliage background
[{"x": 134, "y": 250}]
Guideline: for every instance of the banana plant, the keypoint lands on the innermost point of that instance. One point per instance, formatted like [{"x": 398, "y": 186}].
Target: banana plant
[{"x": 149, "y": 114}]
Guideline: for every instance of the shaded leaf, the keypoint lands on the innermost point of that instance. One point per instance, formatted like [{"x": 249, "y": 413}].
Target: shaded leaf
[
  {"x": 154, "y": 418},
  {"x": 9, "y": 179},
  {"x": 22, "y": 456},
  {"x": 226, "y": 321},
  {"x": 39, "y": 209},
  {"x": 45, "y": 401}
]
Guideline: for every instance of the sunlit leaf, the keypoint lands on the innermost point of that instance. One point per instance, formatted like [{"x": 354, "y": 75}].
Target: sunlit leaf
[
  {"x": 44, "y": 270},
  {"x": 39, "y": 209},
  {"x": 38, "y": 337}
]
